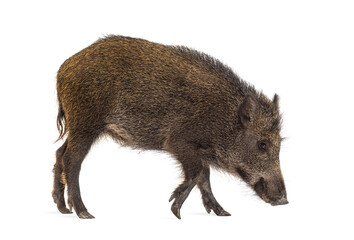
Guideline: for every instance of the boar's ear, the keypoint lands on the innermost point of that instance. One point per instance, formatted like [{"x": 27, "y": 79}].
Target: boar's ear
[
  {"x": 247, "y": 110},
  {"x": 276, "y": 100}
]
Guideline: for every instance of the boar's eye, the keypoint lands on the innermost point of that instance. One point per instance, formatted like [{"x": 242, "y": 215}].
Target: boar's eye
[{"x": 262, "y": 146}]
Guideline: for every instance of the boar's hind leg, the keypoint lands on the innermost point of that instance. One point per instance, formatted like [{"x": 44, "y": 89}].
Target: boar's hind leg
[
  {"x": 77, "y": 149},
  {"x": 60, "y": 180},
  {"x": 192, "y": 168},
  {"x": 208, "y": 198}
]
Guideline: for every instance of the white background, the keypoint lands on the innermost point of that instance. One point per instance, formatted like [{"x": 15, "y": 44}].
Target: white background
[{"x": 302, "y": 50}]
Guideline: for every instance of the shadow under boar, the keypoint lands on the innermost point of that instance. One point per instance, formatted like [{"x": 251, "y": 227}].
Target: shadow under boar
[{"x": 151, "y": 96}]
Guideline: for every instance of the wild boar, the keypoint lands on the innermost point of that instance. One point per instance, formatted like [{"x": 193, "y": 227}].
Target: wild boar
[{"x": 147, "y": 95}]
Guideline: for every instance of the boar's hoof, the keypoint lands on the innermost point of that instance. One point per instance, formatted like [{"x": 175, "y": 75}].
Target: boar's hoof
[
  {"x": 176, "y": 210},
  {"x": 218, "y": 210},
  {"x": 222, "y": 213},
  {"x": 61, "y": 204},
  {"x": 64, "y": 210},
  {"x": 85, "y": 215},
  {"x": 211, "y": 204}
]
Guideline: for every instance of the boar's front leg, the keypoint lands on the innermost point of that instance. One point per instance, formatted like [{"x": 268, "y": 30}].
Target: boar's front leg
[
  {"x": 208, "y": 198},
  {"x": 192, "y": 169},
  {"x": 180, "y": 195}
]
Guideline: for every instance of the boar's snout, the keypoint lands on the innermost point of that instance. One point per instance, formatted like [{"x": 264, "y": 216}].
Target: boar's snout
[
  {"x": 281, "y": 201},
  {"x": 272, "y": 191}
]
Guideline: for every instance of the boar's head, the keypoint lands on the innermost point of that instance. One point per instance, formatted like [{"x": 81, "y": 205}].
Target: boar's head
[{"x": 258, "y": 147}]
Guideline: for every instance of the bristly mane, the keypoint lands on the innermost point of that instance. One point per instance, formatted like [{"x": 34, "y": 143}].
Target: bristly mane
[
  {"x": 208, "y": 60},
  {"x": 217, "y": 66}
]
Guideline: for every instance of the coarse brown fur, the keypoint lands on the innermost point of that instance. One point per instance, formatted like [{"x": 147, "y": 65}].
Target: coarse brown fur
[{"x": 152, "y": 96}]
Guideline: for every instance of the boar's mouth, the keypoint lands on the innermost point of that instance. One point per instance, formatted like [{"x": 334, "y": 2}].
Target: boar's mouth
[
  {"x": 272, "y": 191},
  {"x": 275, "y": 197}
]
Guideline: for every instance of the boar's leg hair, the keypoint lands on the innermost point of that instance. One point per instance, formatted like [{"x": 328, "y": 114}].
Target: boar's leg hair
[
  {"x": 180, "y": 195},
  {"x": 189, "y": 157},
  {"x": 77, "y": 146},
  {"x": 208, "y": 198},
  {"x": 60, "y": 180}
]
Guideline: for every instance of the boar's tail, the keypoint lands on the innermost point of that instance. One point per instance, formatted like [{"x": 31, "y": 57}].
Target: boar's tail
[{"x": 61, "y": 122}]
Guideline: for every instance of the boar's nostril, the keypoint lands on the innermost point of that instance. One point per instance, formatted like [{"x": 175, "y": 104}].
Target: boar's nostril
[{"x": 281, "y": 201}]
